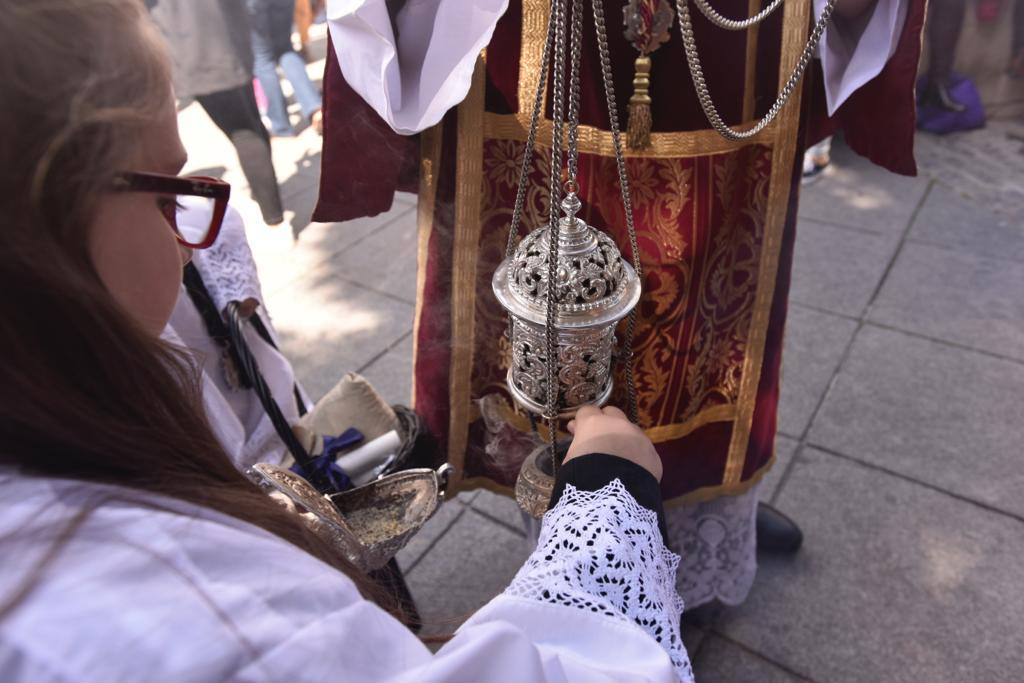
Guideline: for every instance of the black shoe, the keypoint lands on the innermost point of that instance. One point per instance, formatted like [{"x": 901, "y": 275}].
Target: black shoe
[
  {"x": 703, "y": 616},
  {"x": 938, "y": 95},
  {"x": 777, "y": 533}
]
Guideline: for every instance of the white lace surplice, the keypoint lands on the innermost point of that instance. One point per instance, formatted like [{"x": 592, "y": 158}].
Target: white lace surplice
[
  {"x": 196, "y": 595},
  {"x": 412, "y": 77},
  {"x": 602, "y": 552},
  {"x": 717, "y": 543}
]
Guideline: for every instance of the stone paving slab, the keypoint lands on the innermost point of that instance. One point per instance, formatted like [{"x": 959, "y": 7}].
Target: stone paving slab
[
  {"x": 384, "y": 261},
  {"x": 814, "y": 344},
  {"x": 942, "y": 415},
  {"x": 948, "y": 218},
  {"x": 719, "y": 661},
  {"x": 785, "y": 451},
  {"x": 391, "y": 373},
  {"x": 984, "y": 165},
  {"x": 501, "y": 508},
  {"x": 956, "y": 296},
  {"x": 470, "y": 564},
  {"x": 447, "y": 514},
  {"x": 895, "y": 582},
  {"x": 284, "y": 260},
  {"x": 837, "y": 269},
  {"x": 329, "y": 327},
  {"x": 858, "y": 194}
]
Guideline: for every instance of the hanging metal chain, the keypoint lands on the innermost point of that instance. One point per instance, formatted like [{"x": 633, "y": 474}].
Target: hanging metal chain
[
  {"x": 531, "y": 142},
  {"x": 627, "y": 202},
  {"x": 735, "y": 24},
  {"x": 697, "y": 73},
  {"x": 557, "y": 121},
  {"x": 576, "y": 39}
]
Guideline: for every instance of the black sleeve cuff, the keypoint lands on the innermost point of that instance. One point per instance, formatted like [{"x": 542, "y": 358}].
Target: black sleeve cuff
[{"x": 592, "y": 472}]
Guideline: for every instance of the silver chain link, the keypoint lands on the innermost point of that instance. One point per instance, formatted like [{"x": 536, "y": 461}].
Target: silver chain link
[
  {"x": 697, "y": 74},
  {"x": 734, "y": 24},
  {"x": 627, "y": 201},
  {"x": 531, "y": 142},
  {"x": 557, "y": 121},
  {"x": 574, "y": 91},
  {"x": 556, "y": 39}
]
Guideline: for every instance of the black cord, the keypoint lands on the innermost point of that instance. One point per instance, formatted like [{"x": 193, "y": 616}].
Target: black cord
[
  {"x": 250, "y": 368},
  {"x": 214, "y": 323},
  {"x": 261, "y": 329},
  {"x": 230, "y": 336}
]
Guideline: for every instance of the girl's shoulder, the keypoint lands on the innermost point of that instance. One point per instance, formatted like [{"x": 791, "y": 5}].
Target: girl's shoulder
[{"x": 95, "y": 571}]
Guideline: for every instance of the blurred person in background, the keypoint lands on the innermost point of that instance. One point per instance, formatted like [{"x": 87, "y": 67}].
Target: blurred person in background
[
  {"x": 306, "y": 12},
  {"x": 945, "y": 21},
  {"x": 213, "y": 63},
  {"x": 817, "y": 159},
  {"x": 271, "y": 22}
]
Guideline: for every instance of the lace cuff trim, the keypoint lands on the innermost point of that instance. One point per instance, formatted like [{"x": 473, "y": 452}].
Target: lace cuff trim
[{"x": 601, "y": 551}]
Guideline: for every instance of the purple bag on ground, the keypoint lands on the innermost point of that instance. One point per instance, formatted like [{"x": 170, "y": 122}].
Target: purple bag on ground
[{"x": 936, "y": 119}]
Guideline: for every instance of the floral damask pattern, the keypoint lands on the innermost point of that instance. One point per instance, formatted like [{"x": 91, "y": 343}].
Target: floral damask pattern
[{"x": 700, "y": 224}]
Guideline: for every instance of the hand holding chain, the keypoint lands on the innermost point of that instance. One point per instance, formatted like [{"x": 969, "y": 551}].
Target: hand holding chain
[
  {"x": 627, "y": 200},
  {"x": 557, "y": 121}
]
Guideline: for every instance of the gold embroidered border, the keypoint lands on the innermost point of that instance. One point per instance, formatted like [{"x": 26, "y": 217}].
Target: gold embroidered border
[
  {"x": 430, "y": 159},
  {"x": 465, "y": 248},
  {"x": 779, "y": 136},
  {"x": 720, "y": 413},
  {"x": 794, "y": 34},
  {"x": 702, "y": 495},
  {"x": 533, "y": 35},
  {"x": 596, "y": 141}
]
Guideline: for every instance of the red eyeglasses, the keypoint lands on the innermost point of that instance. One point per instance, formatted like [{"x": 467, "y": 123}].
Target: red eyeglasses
[{"x": 198, "y": 205}]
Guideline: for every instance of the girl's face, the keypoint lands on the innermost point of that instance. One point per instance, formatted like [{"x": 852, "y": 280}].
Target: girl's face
[{"x": 132, "y": 245}]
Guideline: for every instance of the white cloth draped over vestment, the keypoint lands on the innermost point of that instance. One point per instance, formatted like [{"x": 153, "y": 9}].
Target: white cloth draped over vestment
[{"x": 416, "y": 65}]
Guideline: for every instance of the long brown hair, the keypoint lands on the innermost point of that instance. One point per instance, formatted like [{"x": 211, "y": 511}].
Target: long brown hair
[{"x": 87, "y": 394}]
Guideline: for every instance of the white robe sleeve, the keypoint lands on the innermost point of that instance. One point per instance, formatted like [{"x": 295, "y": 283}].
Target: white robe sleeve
[
  {"x": 411, "y": 79},
  {"x": 852, "y": 52},
  {"x": 195, "y": 595},
  {"x": 595, "y": 603},
  {"x": 599, "y": 554}
]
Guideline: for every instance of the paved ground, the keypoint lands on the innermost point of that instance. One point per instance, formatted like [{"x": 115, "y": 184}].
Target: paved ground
[{"x": 900, "y": 428}]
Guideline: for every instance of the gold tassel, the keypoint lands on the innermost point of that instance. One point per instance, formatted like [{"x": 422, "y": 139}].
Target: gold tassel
[{"x": 638, "y": 127}]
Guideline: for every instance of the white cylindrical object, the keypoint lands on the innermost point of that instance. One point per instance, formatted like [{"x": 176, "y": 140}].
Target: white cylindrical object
[{"x": 370, "y": 454}]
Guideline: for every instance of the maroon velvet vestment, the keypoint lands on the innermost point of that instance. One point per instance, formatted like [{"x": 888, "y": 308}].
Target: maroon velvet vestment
[{"x": 716, "y": 223}]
